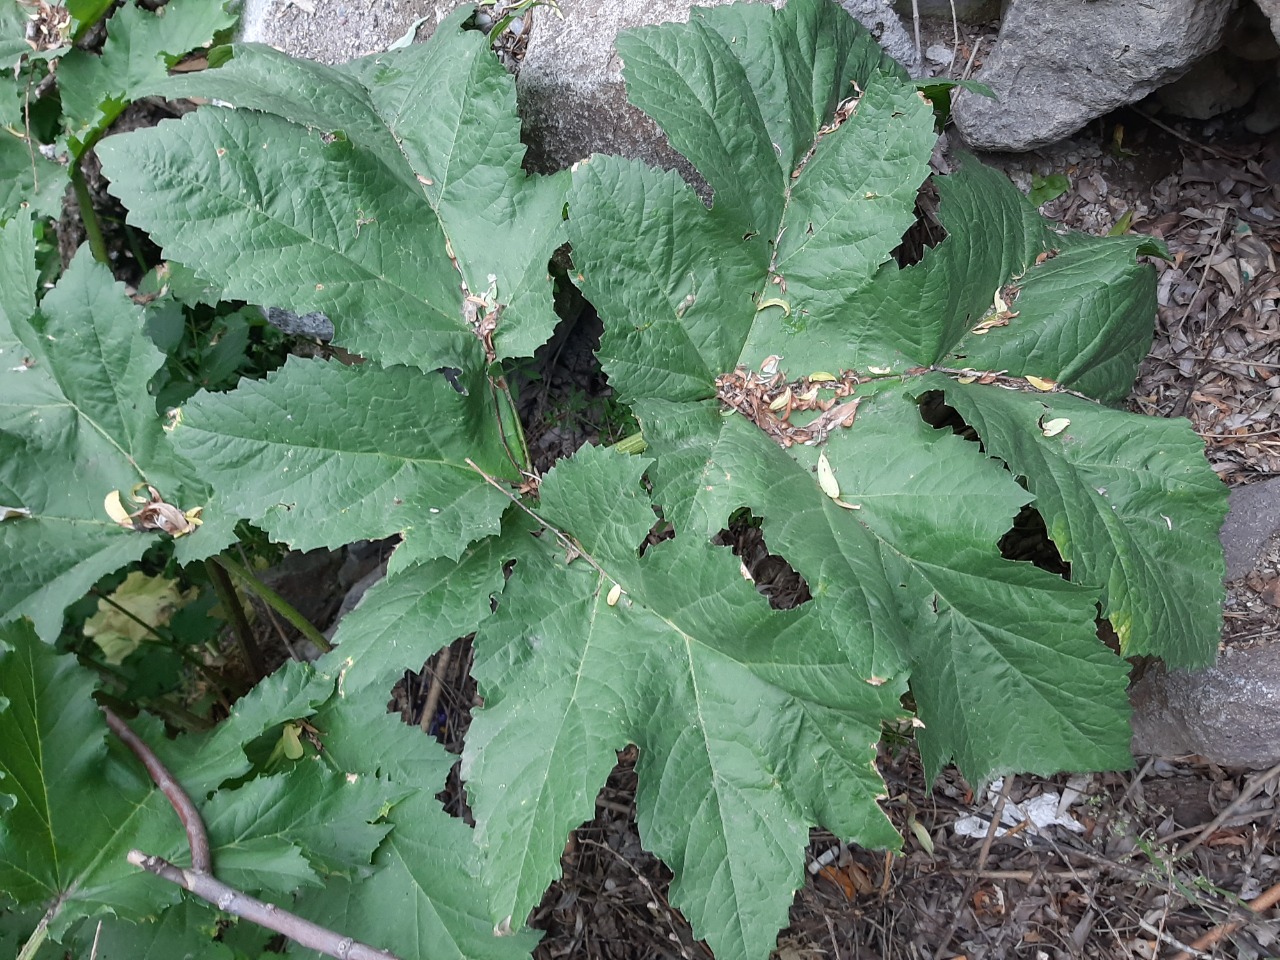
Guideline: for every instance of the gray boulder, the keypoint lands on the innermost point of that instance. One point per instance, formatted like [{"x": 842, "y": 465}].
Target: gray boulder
[
  {"x": 335, "y": 31},
  {"x": 1272, "y": 9},
  {"x": 1060, "y": 63},
  {"x": 1228, "y": 713},
  {"x": 572, "y": 98}
]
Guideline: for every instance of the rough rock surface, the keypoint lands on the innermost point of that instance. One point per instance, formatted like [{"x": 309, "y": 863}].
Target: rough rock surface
[
  {"x": 572, "y": 98},
  {"x": 1253, "y": 520},
  {"x": 335, "y": 31},
  {"x": 1228, "y": 713},
  {"x": 1060, "y": 63},
  {"x": 1272, "y": 9},
  {"x": 1218, "y": 83}
]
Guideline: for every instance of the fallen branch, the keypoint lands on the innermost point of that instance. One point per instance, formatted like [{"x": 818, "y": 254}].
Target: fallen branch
[
  {"x": 197, "y": 839},
  {"x": 1206, "y": 942},
  {"x": 200, "y": 880},
  {"x": 232, "y": 901}
]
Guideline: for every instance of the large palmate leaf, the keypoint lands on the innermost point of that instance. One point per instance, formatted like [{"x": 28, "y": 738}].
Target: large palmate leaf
[
  {"x": 63, "y": 837},
  {"x": 791, "y": 270},
  {"x": 374, "y": 192},
  {"x": 753, "y": 724},
  {"x": 71, "y": 806},
  {"x": 426, "y": 896},
  {"x": 76, "y": 422}
]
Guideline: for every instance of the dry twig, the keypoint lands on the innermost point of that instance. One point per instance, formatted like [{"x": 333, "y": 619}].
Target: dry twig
[{"x": 200, "y": 881}]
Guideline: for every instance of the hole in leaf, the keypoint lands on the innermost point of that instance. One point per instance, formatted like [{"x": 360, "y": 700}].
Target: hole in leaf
[
  {"x": 562, "y": 394},
  {"x": 662, "y": 529},
  {"x": 936, "y": 413},
  {"x": 1028, "y": 540},
  {"x": 927, "y": 230},
  {"x": 773, "y": 577}
]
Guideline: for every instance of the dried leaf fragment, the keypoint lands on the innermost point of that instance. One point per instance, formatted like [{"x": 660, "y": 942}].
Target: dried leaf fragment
[
  {"x": 154, "y": 514},
  {"x": 775, "y": 302},
  {"x": 1055, "y": 426},
  {"x": 827, "y": 478},
  {"x": 1041, "y": 383}
]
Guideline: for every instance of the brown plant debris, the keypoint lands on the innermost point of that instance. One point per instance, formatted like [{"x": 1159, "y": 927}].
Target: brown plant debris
[{"x": 768, "y": 400}]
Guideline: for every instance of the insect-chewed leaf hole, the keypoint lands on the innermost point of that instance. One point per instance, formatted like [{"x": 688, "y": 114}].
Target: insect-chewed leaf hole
[
  {"x": 935, "y": 411},
  {"x": 662, "y": 529},
  {"x": 1028, "y": 539},
  {"x": 772, "y": 575},
  {"x": 925, "y": 231}
]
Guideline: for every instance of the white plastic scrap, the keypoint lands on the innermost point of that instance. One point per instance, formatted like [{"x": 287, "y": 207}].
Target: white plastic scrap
[{"x": 1048, "y": 809}]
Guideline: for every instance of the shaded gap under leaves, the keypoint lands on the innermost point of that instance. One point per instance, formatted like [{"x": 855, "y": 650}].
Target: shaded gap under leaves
[
  {"x": 925, "y": 232},
  {"x": 773, "y": 576}
]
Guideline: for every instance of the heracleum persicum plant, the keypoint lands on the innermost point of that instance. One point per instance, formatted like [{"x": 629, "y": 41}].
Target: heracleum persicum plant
[{"x": 778, "y": 359}]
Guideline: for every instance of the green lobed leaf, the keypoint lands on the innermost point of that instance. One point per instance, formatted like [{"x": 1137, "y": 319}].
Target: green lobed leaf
[
  {"x": 894, "y": 524},
  {"x": 1130, "y": 503},
  {"x": 188, "y": 928},
  {"x": 342, "y": 453},
  {"x": 402, "y": 176},
  {"x": 318, "y": 818},
  {"x": 74, "y": 801},
  {"x": 426, "y": 896},
  {"x": 752, "y": 724},
  {"x": 73, "y": 393},
  {"x": 140, "y": 48},
  {"x": 443, "y": 598},
  {"x": 69, "y": 809}
]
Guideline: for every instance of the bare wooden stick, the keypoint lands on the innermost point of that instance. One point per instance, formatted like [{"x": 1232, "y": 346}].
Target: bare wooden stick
[
  {"x": 200, "y": 881},
  {"x": 971, "y": 884},
  {"x": 433, "y": 692},
  {"x": 197, "y": 838},
  {"x": 232, "y": 901},
  {"x": 1206, "y": 942}
]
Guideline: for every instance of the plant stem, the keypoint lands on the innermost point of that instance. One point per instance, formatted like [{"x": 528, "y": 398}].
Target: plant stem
[
  {"x": 509, "y": 425},
  {"x": 92, "y": 229},
  {"x": 150, "y": 628},
  {"x": 232, "y": 901},
  {"x": 39, "y": 935},
  {"x": 235, "y": 612},
  {"x": 633, "y": 444},
  {"x": 276, "y": 602}
]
